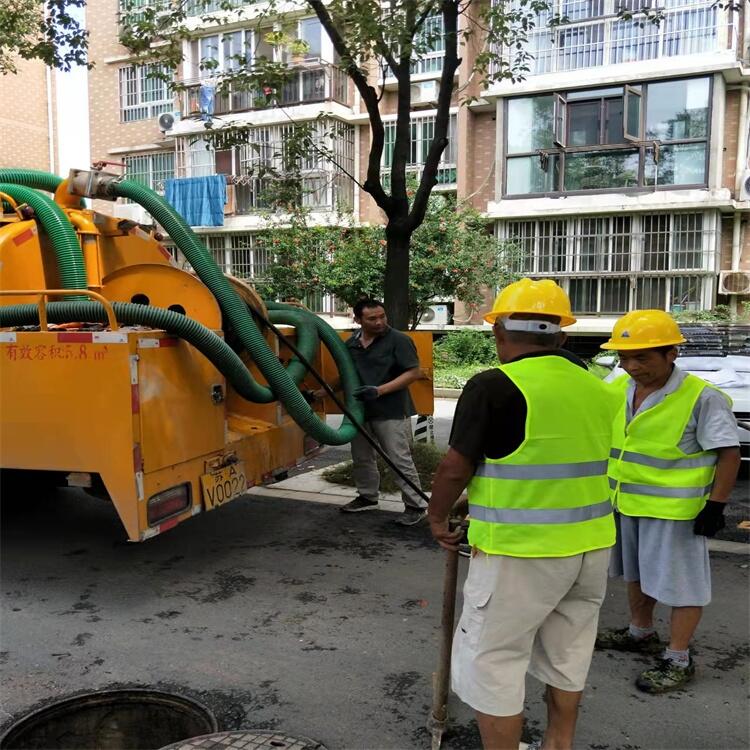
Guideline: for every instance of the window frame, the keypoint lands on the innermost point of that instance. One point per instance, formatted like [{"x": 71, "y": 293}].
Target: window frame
[
  {"x": 143, "y": 109},
  {"x": 643, "y": 146}
]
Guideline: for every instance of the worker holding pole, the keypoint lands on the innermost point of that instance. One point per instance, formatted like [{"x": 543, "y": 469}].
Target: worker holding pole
[
  {"x": 531, "y": 441},
  {"x": 674, "y": 462}
]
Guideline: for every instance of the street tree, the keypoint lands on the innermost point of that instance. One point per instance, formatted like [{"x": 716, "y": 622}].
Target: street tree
[
  {"x": 452, "y": 255},
  {"x": 47, "y": 31},
  {"x": 371, "y": 38}
]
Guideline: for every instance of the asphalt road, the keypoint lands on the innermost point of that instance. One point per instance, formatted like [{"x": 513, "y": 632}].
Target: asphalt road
[{"x": 290, "y": 615}]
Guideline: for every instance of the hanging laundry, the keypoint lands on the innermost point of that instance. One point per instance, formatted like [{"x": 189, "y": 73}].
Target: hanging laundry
[{"x": 199, "y": 200}]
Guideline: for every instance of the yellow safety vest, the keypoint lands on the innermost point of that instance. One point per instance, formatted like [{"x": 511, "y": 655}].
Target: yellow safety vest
[
  {"x": 648, "y": 473},
  {"x": 550, "y": 497}
]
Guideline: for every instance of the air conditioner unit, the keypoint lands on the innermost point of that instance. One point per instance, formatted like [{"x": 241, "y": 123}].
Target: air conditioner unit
[
  {"x": 167, "y": 120},
  {"x": 424, "y": 93},
  {"x": 436, "y": 315},
  {"x": 734, "y": 282},
  {"x": 132, "y": 211},
  {"x": 745, "y": 186},
  {"x": 230, "y": 205}
]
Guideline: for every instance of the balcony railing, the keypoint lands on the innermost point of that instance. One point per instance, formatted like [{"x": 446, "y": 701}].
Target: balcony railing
[
  {"x": 308, "y": 84},
  {"x": 696, "y": 28}
]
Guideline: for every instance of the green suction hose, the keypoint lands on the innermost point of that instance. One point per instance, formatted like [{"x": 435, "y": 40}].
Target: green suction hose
[
  {"x": 32, "y": 178},
  {"x": 196, "y": 334},
  {"x": 55, "y": 223},
  {"x": 307, "y": 340},
  {"x": 283, "y": 384}
]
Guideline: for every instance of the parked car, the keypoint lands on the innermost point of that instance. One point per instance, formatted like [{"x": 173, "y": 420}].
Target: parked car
[{"x": 730, "y": 373}]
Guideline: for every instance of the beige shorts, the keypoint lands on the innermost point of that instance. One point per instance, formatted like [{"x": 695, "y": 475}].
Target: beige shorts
[{"x": 535, "y": 615}]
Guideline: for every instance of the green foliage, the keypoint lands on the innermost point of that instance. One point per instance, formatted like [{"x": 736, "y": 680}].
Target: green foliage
[
  {"x": 456, "y": 376},
  {"x": 46, "y": 31},
  {"x": 719, "y": 314},
  {"x": 426, "y": 456},
  {"x": 465, "y": 347},
  {"x": 451, "y": 255}
]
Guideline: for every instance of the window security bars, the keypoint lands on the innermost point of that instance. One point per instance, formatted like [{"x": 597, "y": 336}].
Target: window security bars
[
  {"x": 142, "y": 95},
  {"x": 422, "y": 133},
  {"x": 257, "y": 167},
  {"x": 596, "y": 37},
  {"x": 610, "y": 264}
]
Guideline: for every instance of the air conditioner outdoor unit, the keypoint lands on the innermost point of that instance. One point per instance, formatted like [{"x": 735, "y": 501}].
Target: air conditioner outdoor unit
[
  {"x": 132, "y": 211},
  {"x": 436, "y": 315},
  {"x": 745, "y": 186},
  {"x": 230, "y": 205},
  {"x": 734, "y": 282},
  {"x": 425, "y": 93},
  {"x": 167, "y": 120}
]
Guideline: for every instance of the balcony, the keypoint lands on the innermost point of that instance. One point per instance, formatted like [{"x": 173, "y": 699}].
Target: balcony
[
  {"x": 312, "y": 82},
  {"x": 687, "y": 28}
]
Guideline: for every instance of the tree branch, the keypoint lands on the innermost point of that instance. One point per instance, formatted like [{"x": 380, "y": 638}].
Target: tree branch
[
  {"x": 451, "y": 61},
  {"x": 372, "y": 184}
]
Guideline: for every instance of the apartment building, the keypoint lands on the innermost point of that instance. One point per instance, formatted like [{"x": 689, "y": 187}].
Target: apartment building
[
  {"x": 617, "y": 167},
  {"x": 622, "y": 159},
  {"x": 27, "y": 119}
]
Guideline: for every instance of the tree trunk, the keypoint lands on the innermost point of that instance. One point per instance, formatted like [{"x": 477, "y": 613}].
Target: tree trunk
[{"x": 396, "y": 284}]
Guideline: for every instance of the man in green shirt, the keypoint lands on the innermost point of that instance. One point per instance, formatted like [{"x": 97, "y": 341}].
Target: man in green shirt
[{"x": 387, "y": 363}]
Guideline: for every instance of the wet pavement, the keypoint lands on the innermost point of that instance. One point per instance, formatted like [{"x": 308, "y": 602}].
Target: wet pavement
[{"x": 288, "y": 615}]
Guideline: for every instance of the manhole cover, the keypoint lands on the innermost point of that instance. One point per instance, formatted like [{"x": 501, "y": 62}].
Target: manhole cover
[
  {"x": 246, "y": 740},
  {"x": 111, "y": 720}
]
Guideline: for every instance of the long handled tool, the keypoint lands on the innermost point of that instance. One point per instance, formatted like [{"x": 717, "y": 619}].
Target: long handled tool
[{"x": 439, "y": 713}]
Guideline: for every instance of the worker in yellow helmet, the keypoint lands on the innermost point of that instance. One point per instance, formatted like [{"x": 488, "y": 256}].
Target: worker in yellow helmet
[
  {"x": 531, "y": 440},
  {"x": 674, "y": 462}
]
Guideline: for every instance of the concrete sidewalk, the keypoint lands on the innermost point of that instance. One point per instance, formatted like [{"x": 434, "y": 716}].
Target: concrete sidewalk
[{"x": 311, "y": 487}]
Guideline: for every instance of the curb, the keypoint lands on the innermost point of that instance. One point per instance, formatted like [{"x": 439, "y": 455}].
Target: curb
[
  {"x": 447, "y": 392},
  {"x": 389, "y": 506}
]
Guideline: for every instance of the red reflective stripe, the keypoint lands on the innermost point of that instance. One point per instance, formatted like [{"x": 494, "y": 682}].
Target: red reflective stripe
[
  {"x": 135, "y": 400},
  {"x": 137, "y": 457},
  {"x": 19, "y": 239},
  {"x": 170, "y": 524},
  {"x": 167, "y": 343},
  {"x": 74, "y": 337}
]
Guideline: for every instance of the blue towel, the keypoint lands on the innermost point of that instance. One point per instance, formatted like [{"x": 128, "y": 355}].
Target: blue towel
[{"x": 200, "y": 200}]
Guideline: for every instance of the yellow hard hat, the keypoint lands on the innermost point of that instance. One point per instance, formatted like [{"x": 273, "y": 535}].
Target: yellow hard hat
[
  {"x": 644, "y": 329},
  {"x": 527, "y": 296}
]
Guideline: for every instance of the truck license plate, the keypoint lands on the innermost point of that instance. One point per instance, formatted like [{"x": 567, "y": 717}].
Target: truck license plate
[{"x": 221, "y": 486}]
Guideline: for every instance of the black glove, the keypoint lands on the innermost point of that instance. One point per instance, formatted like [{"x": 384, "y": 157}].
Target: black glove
[
  {"x": 366, "y": 392},
  {"x": 710, "y": 519}
]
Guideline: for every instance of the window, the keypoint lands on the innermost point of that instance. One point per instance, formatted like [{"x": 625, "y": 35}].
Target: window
[
  {"x": 422, "y": 133},
  {"x": 144, "y": 92},
  {"x": 260, "y": 167},
  {"x": 611, "y": 264},
  {"x": 239, "y": 255},
  {"x": 625, "y": 137},
  {"x": 150, "y": 170},
  {"x": 593, "y": 34},
  {"x": 310, "y": 31}
]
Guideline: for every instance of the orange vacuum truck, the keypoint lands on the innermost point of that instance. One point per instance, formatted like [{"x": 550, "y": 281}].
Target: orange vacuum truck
[{"x": 166, "y": 391}]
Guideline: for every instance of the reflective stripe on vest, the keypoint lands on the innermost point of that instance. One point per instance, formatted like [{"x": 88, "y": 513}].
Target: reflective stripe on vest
[
  {"x": 530, "y": 515},
  {"x": 648, "y": 473},
  {"x": 549, "y": 498},
  {"x": 542, "y": 471}
]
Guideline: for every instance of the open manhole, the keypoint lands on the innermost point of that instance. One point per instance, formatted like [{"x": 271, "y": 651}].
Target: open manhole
[
  {"x": 247, "y": 739},
  {"x": 111, "y": 720}
]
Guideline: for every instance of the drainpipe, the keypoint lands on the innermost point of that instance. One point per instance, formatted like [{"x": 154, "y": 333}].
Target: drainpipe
[
  {"x": 50, "y": 126},
  {"x": 740, "y": 166}
]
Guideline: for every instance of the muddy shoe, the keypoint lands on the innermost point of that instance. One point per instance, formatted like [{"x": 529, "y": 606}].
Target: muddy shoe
[
  {"x": 665, "y": 676},
  {"x": 620, "y": 639}
]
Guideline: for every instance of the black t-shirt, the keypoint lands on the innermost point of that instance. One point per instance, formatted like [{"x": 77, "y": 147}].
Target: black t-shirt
[
  {"x": 490, "y": 419},
  {"x": 387, "y": 357}
]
